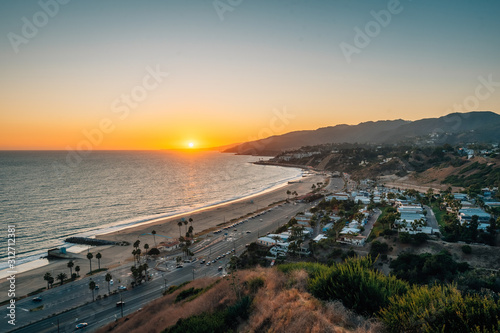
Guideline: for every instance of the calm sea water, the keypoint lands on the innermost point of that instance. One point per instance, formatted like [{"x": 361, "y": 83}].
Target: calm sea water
[{"x": 48, "y": 200}]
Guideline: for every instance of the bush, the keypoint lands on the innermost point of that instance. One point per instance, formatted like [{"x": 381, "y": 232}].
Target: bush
[
  {"x": 218, "y": 322},
  {"x": 187, "y": 293},
  {"x": 357, "y": 285},
  {"x": 466, "y": 249},
  {"x": 378, "y": 248},
  {"x": 154, "y": 251},
  {"x": 441, "y": 309},
  {"x": 404, "y": 237},
  {"x": 255, "y": 283}
]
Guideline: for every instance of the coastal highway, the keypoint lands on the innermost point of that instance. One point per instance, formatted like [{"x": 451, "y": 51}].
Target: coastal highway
[{"x": 78, "y": 297}]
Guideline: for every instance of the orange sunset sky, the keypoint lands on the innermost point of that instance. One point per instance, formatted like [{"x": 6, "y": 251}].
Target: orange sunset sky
[{"x": 235, "y": 74}]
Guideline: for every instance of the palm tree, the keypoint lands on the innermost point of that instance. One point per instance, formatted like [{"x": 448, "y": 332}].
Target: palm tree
[
  {"x": 47, "y": 277},
  {"x": 146, "y": 247},
  {"x": 70, "y": 266},
  {"x": 89, "y": 257},
  {"x": 186, "y": 223},
  {"x": 136, "y": 243},
  {"x": 77, "y": 270},
  {"x": 180, "y": 225},
  {"x": 51, "y": 281},
  {"x": 61, "y": 277},
  {"x": 191, "y": 221},
  {"x": 288, "y": 194},
  {"x": 92, "y": 287},
  {"x": 108, "y": 278},
  {"x": 99, "y": 256},
  {"x": 154, "y": 238}
]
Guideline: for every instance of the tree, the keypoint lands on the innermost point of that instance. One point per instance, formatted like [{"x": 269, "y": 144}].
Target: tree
[
  {"x": 47, "y": 277},
  {"x": 89, "y": 257},
  {"x": 77, "y": 270},
  {"x": 92, "y": 287},
  {"x": 108, "y": 278},
  {"x": 146, "y": 247},
  {"x": 154, "y": 234},
  {"x": 185, "y": 224},
  {"x": 191, "y": 221},
  {"x": 288, "y": 194},
  {"x": 61, "y": 276},
  {"x": 99, "y": 256},
  {"x": 70, "y": 266},
  {"x": 51, "y": 281},
  {"x": 180, "y": 225}
]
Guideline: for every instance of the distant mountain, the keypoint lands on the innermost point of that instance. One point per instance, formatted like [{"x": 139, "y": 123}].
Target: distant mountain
[{"x": 452, "y": 128}]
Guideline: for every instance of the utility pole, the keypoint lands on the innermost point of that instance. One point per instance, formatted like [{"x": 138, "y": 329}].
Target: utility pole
[
  {"x": 121, "y": 305},
  {"x": 193, "y": 273}
]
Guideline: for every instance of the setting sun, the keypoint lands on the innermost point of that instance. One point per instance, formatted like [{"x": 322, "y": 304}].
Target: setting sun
[{"x": 191, "y": 145}]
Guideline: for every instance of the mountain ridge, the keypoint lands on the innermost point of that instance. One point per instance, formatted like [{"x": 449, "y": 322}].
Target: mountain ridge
[{"x": 475, "y": 125}]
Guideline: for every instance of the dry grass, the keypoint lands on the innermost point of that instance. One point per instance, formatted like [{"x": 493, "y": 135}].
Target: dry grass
[
  {"x": 163, "y": 313},
  {"x": 281, "y": 305}
]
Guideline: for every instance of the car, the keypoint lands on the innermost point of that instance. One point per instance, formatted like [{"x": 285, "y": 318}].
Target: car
[
  {"x": 213, "y": 261},
  {"x": 202, "y": 261},
  {"x": 96, "y": 287},
  {"x": 111, "y": 282},
  {"x": 120, "y": 303},
  {"x": 179, "y": 266},
  {"x": 37, "y": 299},
  {"x": 122, "y": 288},
  {"x": 81, "y": 325},
  {"x": 208, "y": 263},
  {"x": 220, "y": 268},
  {"x": 249, "y": 232}
]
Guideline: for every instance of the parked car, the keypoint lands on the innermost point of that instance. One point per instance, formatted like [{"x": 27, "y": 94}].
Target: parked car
[
  {"x": 122, "y": 288},
  {"x": 220, "y": 268},
  {"x": 37, "y": 299},
  {"x": 120, "y": 303}
]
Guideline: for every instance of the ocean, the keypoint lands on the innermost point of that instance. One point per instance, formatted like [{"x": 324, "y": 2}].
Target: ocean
[{"x": 49, "y": 196}]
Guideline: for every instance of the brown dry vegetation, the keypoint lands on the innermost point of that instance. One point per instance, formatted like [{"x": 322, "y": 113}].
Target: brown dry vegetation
[
  {"x": 281, "y": 305},
  {"x": 162, "y": 313}
]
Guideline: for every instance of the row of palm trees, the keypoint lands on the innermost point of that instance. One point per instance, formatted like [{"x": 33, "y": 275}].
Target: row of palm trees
[
  {"x": 63, "y": 276},
  {"x": 190, "y": 220},
  {"x": 98, "y": 257}
]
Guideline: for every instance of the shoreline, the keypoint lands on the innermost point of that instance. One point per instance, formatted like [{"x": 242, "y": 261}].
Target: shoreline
[
  {"x": 39, "y": 260},
  {"x": 204, "y": 219}
]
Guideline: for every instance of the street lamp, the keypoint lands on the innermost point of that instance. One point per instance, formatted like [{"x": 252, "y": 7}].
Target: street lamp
[{"x": 165, "y": 280}]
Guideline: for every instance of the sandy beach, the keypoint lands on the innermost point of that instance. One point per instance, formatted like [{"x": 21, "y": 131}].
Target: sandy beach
[{"x": 204, "y": 220}]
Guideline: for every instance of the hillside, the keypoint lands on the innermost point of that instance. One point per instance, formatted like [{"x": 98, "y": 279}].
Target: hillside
[
  {"x": 280, "y": 304},
  {"x": 481, "y": 126}
]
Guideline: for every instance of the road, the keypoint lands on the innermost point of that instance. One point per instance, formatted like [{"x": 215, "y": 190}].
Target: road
[
  {"x": 431, "y": 219},
  {"x": 77, "y": 295}
]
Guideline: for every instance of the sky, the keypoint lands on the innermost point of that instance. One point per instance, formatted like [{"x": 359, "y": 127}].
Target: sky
[{"x": 98, "y": 75}]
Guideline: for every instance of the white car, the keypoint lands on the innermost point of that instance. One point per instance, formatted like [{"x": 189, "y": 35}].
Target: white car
[{"x": 111, "y": 282}]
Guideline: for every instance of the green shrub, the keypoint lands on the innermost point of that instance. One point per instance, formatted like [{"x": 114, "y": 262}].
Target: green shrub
[
  {"x": 187, "y": 293},
  {"x": 357, "y": 285},
  {"x": 404, "y": 237},
  {"x": 221, "y": 321},
  {"x": 466, "y": 249},
  {"x": 255, "y": 283},
  {"x": 440, "y": 309}
]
